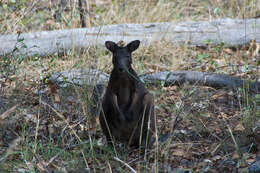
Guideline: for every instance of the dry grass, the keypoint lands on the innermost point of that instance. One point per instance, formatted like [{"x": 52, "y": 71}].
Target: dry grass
[
  {"x": 26, "y": 16},
  {"x": 35, "y": 137}
]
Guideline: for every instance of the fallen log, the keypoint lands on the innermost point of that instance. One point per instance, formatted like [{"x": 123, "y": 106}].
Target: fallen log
[
  {"x": 93, "y": 77},
  {"x": 202, "y": 79},
  {"x": 93, "y": 83},
  {"x": 228, "y": 31}
]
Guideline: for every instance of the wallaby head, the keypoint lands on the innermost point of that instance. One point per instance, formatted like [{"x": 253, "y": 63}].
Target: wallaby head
[{"x": 122, "y": 58}]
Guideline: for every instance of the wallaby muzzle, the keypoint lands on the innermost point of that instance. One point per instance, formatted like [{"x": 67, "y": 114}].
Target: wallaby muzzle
[{"x": 122, "y": 66}]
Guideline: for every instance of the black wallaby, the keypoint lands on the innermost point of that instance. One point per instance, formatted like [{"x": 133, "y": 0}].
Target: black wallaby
[{"x": 128, "y": 108}]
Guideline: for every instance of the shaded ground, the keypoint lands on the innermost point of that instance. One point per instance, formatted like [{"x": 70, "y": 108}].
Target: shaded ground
[{"x": 201, "y": 141}]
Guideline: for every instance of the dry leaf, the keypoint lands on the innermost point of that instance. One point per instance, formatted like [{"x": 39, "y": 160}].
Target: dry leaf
[
  {"x": 41, "y": 165},
  {"x": 31, "y": 117},
  {"x": 121, "y": 43},
  {"x": 239, "y": 127},
  {"x": 30, "y": 165},
  {"x": 57, "y": 98},
  {"x": 179, "y": 153},
  {"x": 254, "y": 48},
  {"x": 235, "y": 155},
  {"x": 100, "y": 142},
  {"x": 221, "y": 62},
  {"x": 256, "y": 52},
  {"x": 50, "y": 22},
  {"x": 215, "y": 158},
  {"x": 52, "y": 86},
  {"x": 229, "y": 51}
]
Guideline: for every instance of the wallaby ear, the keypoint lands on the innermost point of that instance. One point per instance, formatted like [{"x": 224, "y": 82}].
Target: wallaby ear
[
  {"x": 110, "y": 45},
  {"x": 133, "y": 45}
]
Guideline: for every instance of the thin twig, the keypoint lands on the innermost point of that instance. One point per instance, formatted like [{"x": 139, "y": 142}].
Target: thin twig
[
  {"x": 116, "y": 158},
  {"x": 8, "y": 112}
]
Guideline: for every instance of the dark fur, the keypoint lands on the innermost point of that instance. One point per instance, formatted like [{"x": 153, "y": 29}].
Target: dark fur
[{"x": 128, "y": 107}]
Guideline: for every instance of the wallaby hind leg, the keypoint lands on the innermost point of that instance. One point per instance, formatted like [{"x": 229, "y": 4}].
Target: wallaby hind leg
[
  {"x": 148, "y": 124},
  {"x": 105, "y": 127},
  {"x": 111, "y": 117}
]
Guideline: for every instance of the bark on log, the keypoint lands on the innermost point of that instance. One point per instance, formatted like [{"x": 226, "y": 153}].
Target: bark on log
[{"x": 229, "y": 31}]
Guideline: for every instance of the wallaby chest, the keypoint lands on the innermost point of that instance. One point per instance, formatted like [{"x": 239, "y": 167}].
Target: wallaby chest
[
  {"x": 124, "y": 93},
  {"x": 123, "y": 96}
]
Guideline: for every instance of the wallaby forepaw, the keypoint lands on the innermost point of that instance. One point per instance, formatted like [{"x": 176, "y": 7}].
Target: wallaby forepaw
[{"x": 121, "y": 117}]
